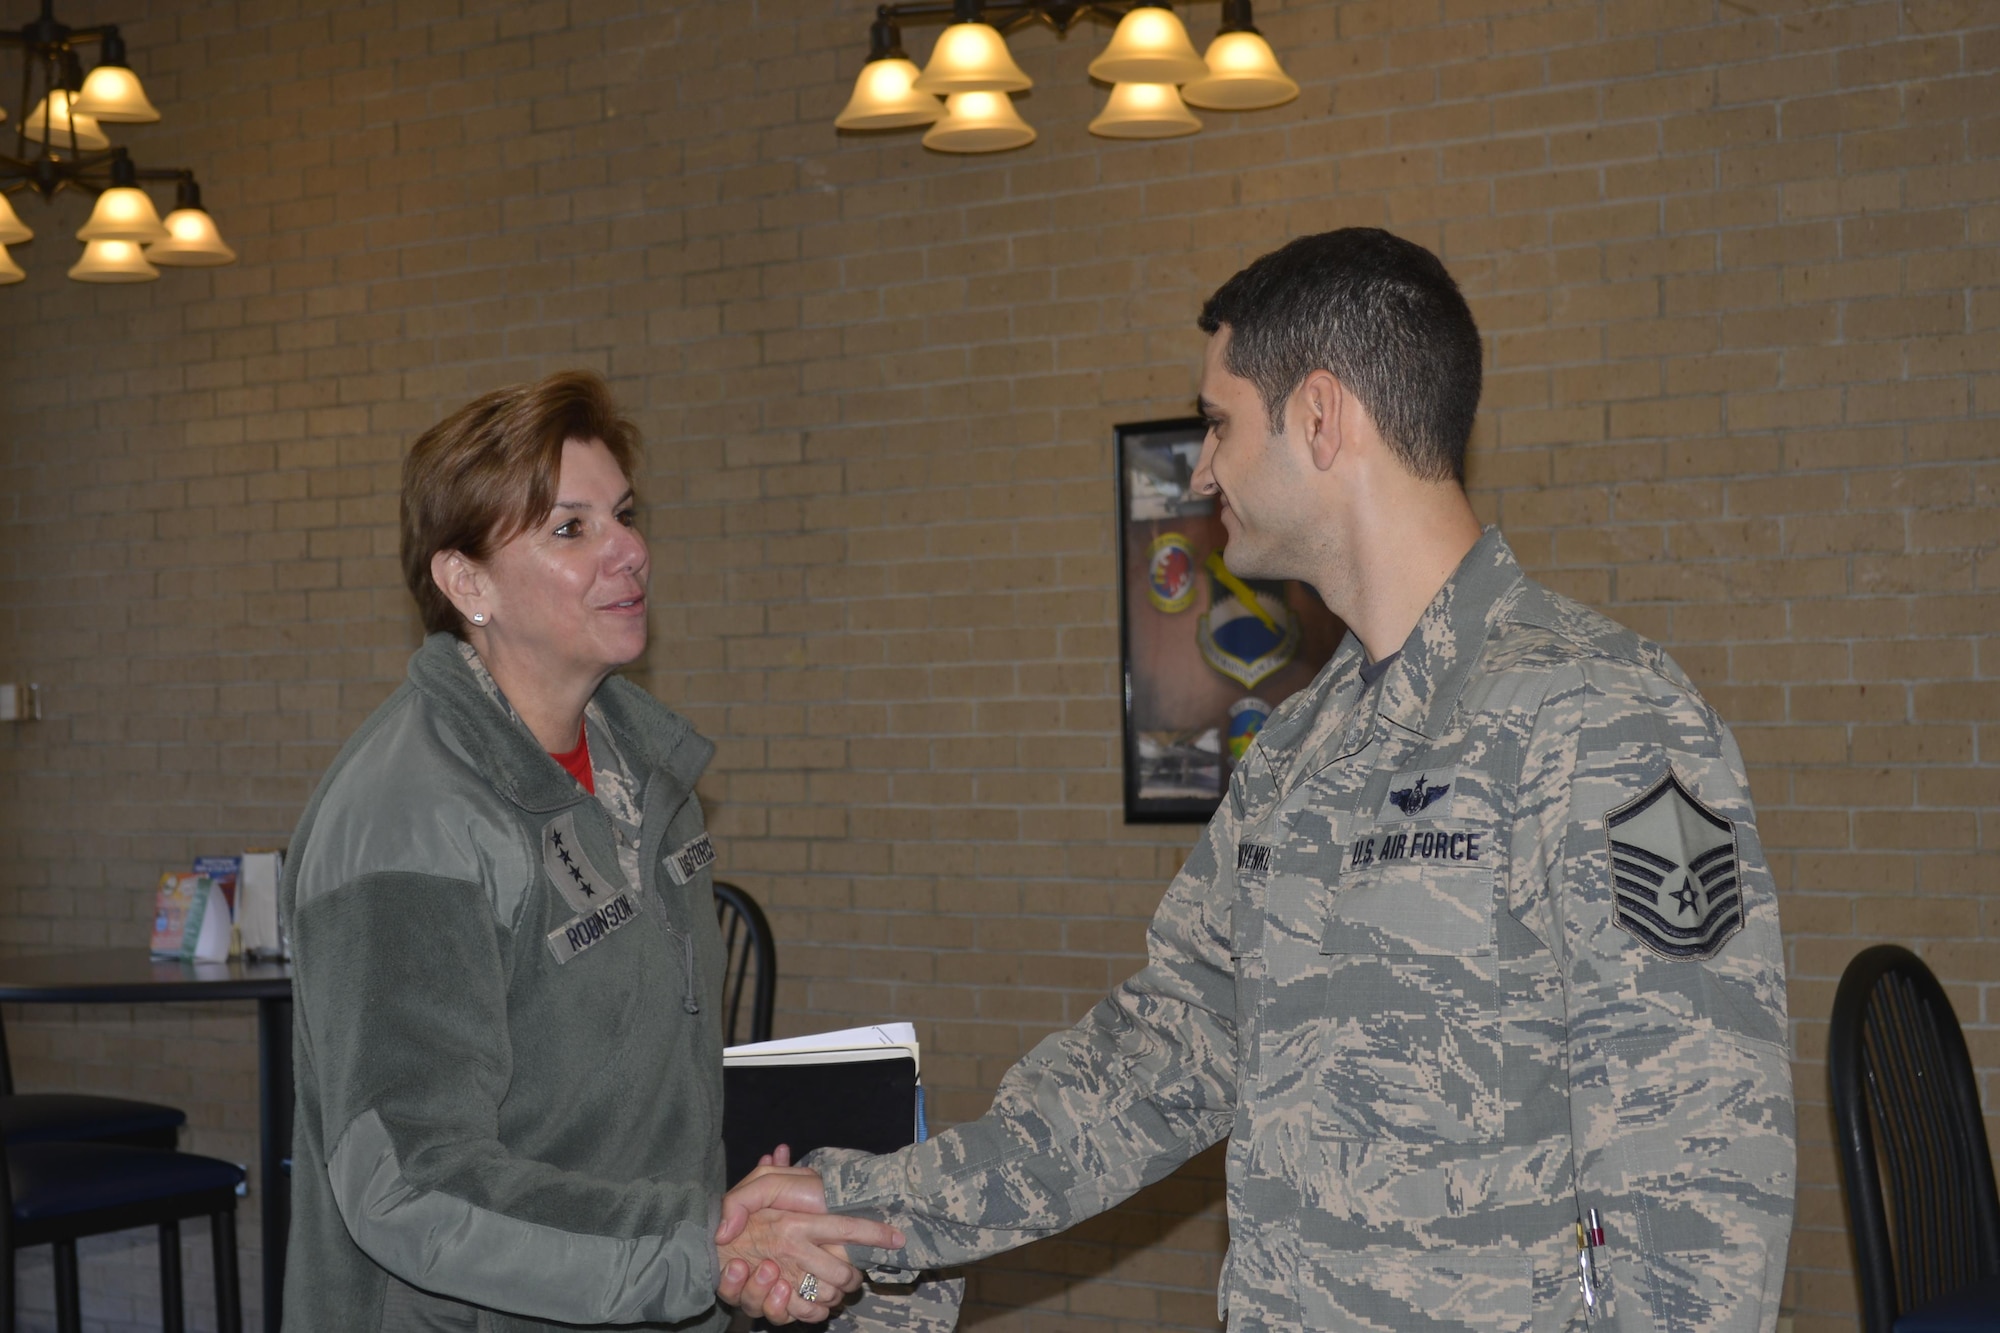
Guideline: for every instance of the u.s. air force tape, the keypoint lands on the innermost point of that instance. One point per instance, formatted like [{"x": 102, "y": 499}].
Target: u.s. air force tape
[
  {"x": 692, "y": 858},
  {"x": 592, "y": 928}
]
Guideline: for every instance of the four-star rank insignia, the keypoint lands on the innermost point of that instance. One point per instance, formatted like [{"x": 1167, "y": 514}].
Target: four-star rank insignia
[
  {"x": 583, "y": 886},
  {"x": 1674, "y": 872}
]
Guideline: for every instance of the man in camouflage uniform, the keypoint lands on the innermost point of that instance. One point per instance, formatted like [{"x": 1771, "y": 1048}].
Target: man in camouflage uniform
[{"x": 1477, "y": 967}]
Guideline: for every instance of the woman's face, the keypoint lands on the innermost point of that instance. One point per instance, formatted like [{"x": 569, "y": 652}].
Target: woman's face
[{"x": 565, "y": 599}]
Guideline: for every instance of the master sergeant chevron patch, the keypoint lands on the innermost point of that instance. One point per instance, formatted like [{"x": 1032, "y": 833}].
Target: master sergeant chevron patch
[{"x": 1674, "y": 874}]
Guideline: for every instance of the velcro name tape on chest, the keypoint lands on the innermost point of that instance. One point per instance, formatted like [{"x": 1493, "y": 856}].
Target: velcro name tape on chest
[
  {"x": 588, "y": 929},
  {"x": 690, "y": 859},
  {"x": 577, "y": 878}
]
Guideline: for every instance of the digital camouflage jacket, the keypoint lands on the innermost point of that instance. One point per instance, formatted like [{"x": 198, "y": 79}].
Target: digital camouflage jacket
[
  {"x": 507, "y": 1051},
  {"x": 1464, "y": 955}
]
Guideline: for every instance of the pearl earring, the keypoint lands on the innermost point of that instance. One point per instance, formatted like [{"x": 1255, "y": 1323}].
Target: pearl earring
[{"x": 479, "y": 617}]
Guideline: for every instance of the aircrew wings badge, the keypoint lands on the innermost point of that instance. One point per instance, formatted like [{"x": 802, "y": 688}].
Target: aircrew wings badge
[{"x": 1674, "y": 872}]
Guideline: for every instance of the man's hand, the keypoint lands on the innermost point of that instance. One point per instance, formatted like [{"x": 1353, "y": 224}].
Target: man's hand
[
  {"x": 775, "y": 1231},
  {"x": 776, "y": 1183}
]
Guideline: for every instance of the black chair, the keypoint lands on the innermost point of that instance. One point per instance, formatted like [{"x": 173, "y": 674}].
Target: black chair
[
  {"x": 752, "y": 964},
  {"x": 70, "y": 1117},
  {"x": 57, "y": 1193},
  {"x": 1920, "y": 1190}
]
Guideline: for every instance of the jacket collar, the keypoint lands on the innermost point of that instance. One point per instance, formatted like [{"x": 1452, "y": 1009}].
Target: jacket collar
[
  {"x": 658, "y": 743},
  {"x": 1422, "y": 687}
]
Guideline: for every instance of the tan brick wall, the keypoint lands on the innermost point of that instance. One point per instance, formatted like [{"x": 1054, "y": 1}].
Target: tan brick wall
[{"x": 1738, "y": 265}]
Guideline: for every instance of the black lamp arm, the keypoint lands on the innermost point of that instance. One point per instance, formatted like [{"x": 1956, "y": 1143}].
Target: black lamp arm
[
  {"x": 45, "y": 32},
  {"x": 1061, "y": 15}
]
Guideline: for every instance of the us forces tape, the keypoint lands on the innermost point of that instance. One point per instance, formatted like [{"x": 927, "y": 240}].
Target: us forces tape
[{"x": 691, "y": 859}]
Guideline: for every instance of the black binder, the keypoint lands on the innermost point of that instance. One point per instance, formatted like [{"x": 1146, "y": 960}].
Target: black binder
[{"x": 870, "y": 1104}]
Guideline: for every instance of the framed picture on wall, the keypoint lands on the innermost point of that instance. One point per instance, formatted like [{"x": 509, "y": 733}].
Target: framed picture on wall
[{"x": 1206, "y": 655}]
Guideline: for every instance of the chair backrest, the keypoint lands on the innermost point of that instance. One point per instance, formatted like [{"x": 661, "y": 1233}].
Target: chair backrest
[
  {"x": 752, "y": 965},
  {"x": 1920, "y": 1190}
]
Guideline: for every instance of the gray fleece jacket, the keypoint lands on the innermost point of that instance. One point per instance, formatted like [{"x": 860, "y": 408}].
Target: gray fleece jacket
[{"x": 509, "y": 1088}]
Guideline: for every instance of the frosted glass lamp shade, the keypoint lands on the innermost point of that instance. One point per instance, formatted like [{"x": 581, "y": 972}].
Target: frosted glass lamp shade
[
  {"x": 885, "y": 100},
  {"x": 123, "y": 213},
  {"x": 192, "y": 241},
  {"x": 9, "y": 270},
  {"x": 1150, "y": 46},
  {"x": 13, "y": 231},
  {"x": 55, "y": 118},
  {"x": 1144, "y": 111},
  {"x": 972, "y": 58},
  {"x": 979, "y": 123},
  {"x": 113, "y": 261},
  {"x": 113, "y": 93},
  {"x": 1243, "y": 75}
]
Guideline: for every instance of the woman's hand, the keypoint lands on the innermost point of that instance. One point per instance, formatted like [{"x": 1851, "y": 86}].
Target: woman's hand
[{"x": 775, "y": 1232}]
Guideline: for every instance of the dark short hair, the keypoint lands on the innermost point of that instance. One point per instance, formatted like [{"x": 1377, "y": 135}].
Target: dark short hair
[
  {"x": 1378, "y": 312},
  {"x": 488, "y": 471}
]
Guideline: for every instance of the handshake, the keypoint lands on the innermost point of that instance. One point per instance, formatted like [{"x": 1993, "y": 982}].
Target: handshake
[{"x": 782, "y": 1256}]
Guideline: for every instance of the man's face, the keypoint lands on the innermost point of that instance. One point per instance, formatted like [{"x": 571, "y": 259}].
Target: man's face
[{"x": 1255, "y": 475}]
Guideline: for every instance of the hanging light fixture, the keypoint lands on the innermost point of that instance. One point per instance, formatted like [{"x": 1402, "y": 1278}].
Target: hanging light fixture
[
  {"x": 1243, "y": 73},
  {"x": 112, "y": 92},
  {"x": 1144, "y": 111},
  {"x": 982, "y": 122},
  {"x": 883, "y": 96},
  {"x": 61, "y": 145},
  {"x": 124, "y": 212},
  {"x": 13, "y": 231},
  {"x": 56, "y": 119},
  {"x": 192, "y": 239},
  {"x": 1150, "y": 46},
  {"x": 113, "y": 261},
  {"x": 1148, "y": 56},
  {"x": 971, "y": 57}
]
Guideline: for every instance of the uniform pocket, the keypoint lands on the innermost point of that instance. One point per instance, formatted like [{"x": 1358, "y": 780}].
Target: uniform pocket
[
  {"x": 1451, "y": 1291},
  {"x": 1411, "y": 1048},
  {"x": 1691, "y": 1291}
]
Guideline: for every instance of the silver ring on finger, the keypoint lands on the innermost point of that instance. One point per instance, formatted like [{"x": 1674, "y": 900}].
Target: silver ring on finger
[{"x": 809, "y": 1287}]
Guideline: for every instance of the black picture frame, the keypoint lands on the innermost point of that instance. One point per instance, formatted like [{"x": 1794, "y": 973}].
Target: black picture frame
[{"x": 1200, "y": 651}]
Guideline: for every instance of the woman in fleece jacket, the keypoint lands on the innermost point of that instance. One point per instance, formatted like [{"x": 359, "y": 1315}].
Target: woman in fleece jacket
[{"x": 507, "y": 967}]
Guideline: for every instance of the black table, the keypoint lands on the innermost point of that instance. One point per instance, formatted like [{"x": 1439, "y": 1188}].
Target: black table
[{"x": 132, "y": 976}]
